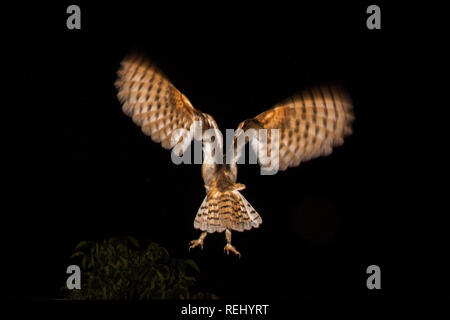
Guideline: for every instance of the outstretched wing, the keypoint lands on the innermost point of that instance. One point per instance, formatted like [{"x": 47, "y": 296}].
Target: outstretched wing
[
  {"x": 155, "y": 105},
  {"x": 310, "y": 124}
]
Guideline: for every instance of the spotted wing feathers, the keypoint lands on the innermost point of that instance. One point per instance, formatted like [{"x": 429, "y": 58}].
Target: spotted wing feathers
[
  {"x": 310, "y": 124},
  {"x": 155, "y": 105}
]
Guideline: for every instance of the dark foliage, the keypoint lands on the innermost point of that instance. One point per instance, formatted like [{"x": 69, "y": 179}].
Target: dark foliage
[{"x": 120, "y": 269}]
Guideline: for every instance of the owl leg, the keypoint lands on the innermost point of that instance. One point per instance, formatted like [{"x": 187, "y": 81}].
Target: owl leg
[
  {"x": 228, "y": 246},
  {"x": 198, "y": 242}
]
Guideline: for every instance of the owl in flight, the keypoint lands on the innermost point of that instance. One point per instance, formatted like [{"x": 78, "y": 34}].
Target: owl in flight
[{"x": 309, "y": 125}]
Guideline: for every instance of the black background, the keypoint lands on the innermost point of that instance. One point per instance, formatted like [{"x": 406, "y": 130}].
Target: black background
[{"x": 79, "y": 169}]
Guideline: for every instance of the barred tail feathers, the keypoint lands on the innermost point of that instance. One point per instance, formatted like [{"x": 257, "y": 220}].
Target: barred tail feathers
[{"x": 226, "y": 210}]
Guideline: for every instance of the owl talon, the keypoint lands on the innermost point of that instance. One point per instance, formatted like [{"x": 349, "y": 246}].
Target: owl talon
[
  {"x": 195, "y": 243},
  {"x": 198, "y": 242},
  {"x": 228, "y": 247}
]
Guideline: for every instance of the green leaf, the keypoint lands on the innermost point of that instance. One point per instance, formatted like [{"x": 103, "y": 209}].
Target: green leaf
[
  {"x": 110, "y": 252},
  {"x": 121, "y": 248},
  {"x": 76, "y": 254},
  {"x": 92, "y": 260},
  {"x": 193, "y": 279},
  {"x": 134, "y": 241},
  {"x": 80, "y": 244},
  {"x": 160, "y": 275},
  {"x": 152, "y": 283},
  {"x": 192, "y": 264},
  {"x": 116, "y": 265},
  {"x": 125, "y": 262}
]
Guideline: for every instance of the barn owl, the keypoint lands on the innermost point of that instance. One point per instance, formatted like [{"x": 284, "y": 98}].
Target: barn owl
[{"x": 310, "y": 124}]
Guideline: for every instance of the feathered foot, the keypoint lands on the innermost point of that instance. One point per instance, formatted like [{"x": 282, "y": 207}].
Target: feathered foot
[
  {"x": 198, "y": 242},
  {"x": 229, "y": 247}
]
